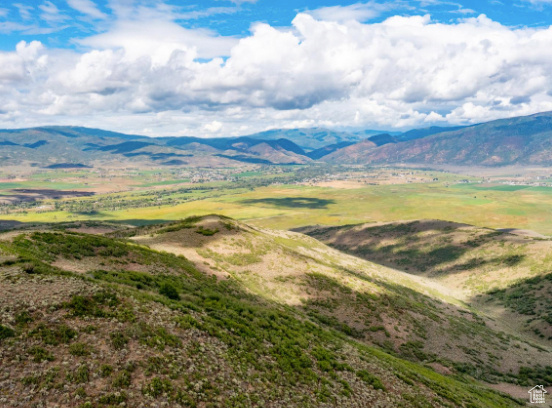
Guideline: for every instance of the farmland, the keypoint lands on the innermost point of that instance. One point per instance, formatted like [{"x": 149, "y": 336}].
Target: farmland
[{"x": 292, "y": 199}]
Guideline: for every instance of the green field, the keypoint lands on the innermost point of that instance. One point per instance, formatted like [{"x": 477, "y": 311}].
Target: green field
[
  {"x": 37, "y": 184},
  {"x": 163, "y": 183},
  {"x": 289, "y": 206}
]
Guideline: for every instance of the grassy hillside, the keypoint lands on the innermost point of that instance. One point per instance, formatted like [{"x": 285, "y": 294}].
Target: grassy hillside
[
  {"x": 93, "y": 321},
  {"x": 504, "y": 274},
  {"x": 479, "y": 258},
  {"x": 411, "y": 317}
]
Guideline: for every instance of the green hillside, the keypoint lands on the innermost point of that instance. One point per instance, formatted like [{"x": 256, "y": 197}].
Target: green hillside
[{"x": 93, "y": 321}]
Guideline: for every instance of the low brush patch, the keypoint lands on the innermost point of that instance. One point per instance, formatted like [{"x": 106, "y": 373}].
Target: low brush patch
[{"x": 206, "y": 232}]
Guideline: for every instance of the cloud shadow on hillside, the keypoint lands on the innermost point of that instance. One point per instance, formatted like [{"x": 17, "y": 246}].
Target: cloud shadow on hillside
[{"x": 426, "y": 247}]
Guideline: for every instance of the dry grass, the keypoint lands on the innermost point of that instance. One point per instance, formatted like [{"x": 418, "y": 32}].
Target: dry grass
[{"x": 375, "y": 303}]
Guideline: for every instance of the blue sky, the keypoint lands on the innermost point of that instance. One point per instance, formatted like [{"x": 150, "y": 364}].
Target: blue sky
[
  {"x": 56, "y": 23},
  {"x": 217, "y": 67}
]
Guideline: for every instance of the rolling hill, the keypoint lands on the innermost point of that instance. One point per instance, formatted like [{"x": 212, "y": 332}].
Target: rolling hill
[
  {"x": 504, "y": 274},
  {"x": 417, "y": 318},
  {"x": 93, "y": 319}
]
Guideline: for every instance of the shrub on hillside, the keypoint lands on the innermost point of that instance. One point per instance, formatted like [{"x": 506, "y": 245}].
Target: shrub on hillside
[{"x": 169, "y": 291}]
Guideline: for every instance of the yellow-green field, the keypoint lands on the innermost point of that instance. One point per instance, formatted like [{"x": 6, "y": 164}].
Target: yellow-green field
[{"x": 289, "y": 206}]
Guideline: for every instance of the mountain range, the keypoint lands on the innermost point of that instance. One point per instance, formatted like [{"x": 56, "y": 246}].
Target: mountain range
[
  {"x": 523, "y": 140},
  {"x": 516, "y": 141}
]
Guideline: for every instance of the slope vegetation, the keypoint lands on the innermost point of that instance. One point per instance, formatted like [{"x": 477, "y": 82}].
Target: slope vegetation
[
  {"x": 409, "y": 316},
  {"x": 96, "y": 321},
  {"x": 506, "y": 275}
]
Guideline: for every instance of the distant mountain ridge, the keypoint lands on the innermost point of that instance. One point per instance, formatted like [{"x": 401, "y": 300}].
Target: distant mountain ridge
[
  {"x": 312, "y": 138},
  {"x": 72, "y": 147},
  {"x": 525, "y": 140},
  {"x": 521, "y": 141}
]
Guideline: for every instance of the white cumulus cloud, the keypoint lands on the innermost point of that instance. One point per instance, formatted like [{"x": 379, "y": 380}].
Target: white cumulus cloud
[{"x": 151, "y": 74}]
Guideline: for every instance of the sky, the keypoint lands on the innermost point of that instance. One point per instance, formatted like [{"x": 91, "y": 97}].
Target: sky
[{"x": 231, "y": 67}]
